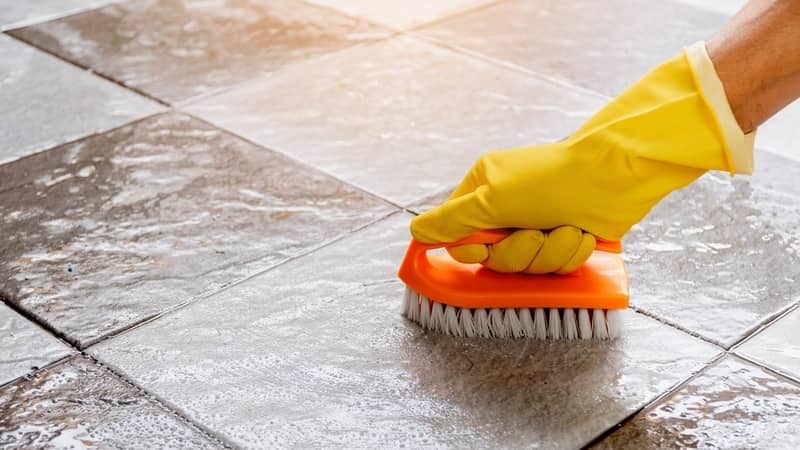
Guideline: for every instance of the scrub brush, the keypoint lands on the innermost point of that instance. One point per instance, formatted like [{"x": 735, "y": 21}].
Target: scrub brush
[{"x": 446, "y": 296}]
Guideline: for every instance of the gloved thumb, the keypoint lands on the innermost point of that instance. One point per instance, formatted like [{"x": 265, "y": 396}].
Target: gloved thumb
[{"x": 454, "y": 219}]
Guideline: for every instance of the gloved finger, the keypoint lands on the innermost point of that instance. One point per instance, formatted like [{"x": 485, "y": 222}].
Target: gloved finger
[
  {"x": 471, "y": 181},
  {"x": 559, "y": 246},
  {"x": 515, "y": 253},
  {"x": 452, "y": 220},
  {"x": 469, "y": 254},
  {"x": 585, "y": 249}
]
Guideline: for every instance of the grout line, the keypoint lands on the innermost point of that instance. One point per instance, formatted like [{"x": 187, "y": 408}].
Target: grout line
[
  {"x": 40, "y": 322},
  {"x": 237, "y": 282},
  {"x": 655, "y": 401},
  {"x": 164, "y": 404},
  {"x": 763, "y": 325},
  {"x": 32, "y": 373},
  {"x": 774, "y": 371},
  {"x": 457, "y": 14},
  {"x": 676, "y": 326},
  {"x": 90, "y": 70},
  {"x": 296, "y": 160},
  {"x": 57, "y": 15}
]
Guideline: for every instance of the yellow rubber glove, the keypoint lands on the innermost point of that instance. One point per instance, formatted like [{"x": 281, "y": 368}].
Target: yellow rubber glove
[{"x": 659, "y": 135}]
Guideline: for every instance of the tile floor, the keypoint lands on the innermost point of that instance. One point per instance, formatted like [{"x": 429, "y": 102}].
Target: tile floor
[{"x": 203, "y": 204}]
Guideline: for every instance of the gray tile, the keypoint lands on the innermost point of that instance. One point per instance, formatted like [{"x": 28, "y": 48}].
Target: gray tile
[
  {"x": 24, "y": 346},
  {"x": 14, "y": 13},
  {"x": 320, "y": 347},
  {"x": 78, "y": 404},
  {"x": 45, "y": 102},
  {"x": 604, "y": 46},
  {"x": 175, "y": 49},
  {"x": 112, "y": 229},
  {"x": 400, "y": 118},
  {"x": 732, "y": 404},
  {"x": 720, "y": 257},
  {"x": 402, "y": 13},
  {"x": 781, "y": 134},
  {"x": 777, "y": 346}
]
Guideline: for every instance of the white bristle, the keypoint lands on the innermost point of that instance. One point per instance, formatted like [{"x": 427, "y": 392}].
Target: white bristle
[
  {"x": 554, "y": 325},
  {"x": 424, "y": 311},
  {"x": 570, "y": 324},
  {"x": 465, "y": 320},
  {"x": 437, "y": 318},
  {"x": 584, "y": 324},
  {"x": 451, "y": 321},
  {"x": 526, "y": 320},
  {"x": 614, "y": 322},
  {"x": 599, "y": 324},
  {"x": 539, "y": 324},
  {"x": 512, "y": 324},
  {"x": 496, "y": 323},
  {"x": 482, "y": 323}
]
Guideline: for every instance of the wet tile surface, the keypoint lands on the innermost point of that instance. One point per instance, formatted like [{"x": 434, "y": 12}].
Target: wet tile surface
[
  {"x": 175, "y": 49},
  {"x": 112, "y": 229},
  {"x": 402, "y": 13},
  {"x": 604, "y": 46},
  {"x": 14, "y": 13},
  {"x": 78, "y": 404},
  {"x": 24, "y": 346},
  {"x": 45, "y": 102},
  {"x": 777, "y": 346},
  {"x": 732, "y": 404},
  {"x": 321, "y": 345},
  {"x": 401, "y": 118},
  {"x": 720, "y": 257},
  {"x": 727, "y": 7}
]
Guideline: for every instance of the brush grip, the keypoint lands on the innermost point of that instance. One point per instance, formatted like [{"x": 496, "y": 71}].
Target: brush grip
[{"x": 488, "y": 237}]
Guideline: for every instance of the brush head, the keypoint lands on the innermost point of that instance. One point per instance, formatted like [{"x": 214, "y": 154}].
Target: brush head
[
  {"x": 470, "y": 300},
  {"x": 536, "y": 323}
]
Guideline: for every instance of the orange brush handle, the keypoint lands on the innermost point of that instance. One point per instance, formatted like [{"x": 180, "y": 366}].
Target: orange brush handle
[{"x": 600, "y": 283}]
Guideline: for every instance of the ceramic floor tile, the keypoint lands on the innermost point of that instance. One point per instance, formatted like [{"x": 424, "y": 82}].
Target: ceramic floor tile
[
  {"x": 400, "y": 118},
  {"x": 78, "y": 404},
  {"x": 604, "y": 46},
  {"x": 732, "y": 404},
  {"x": 320, "y": 347},
  {"x": 720, "y": 257},
  {"x": 781, "y": 134},
  {"x": 777, "y": 346},
  {"x": 175, "y": 49},
  {"x": 45, "y": 102},
  {"x": 402, "y": 13},
  {"x": 114, "y": 228},
  {"x": 14, "y": 13},
  {"x": 24, "y": 346}
]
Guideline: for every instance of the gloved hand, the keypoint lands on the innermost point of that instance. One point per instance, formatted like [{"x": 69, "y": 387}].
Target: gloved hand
[{"x": 659, "y": 135}]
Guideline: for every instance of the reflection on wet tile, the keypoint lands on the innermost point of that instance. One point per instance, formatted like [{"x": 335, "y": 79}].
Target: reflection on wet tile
[
  {"x": 720, "y": 257},
  {"x": 321, "y": 345},
  {"x": 401, "y": 118},
  {"x": 24, "y": 346},
  {"x": 732, "y": 404},
  {"x": 78, "y": 404},
  {"x": 777, "y": 346},
  {"x": 14, "y": 13},
  {"x": 604, "y": 46},
  {"x": 112, "y": 229},
  {"x": 175, "y": 49},
  {"x": 781, "y": 134},
  {"x": 402, "y": 13},
  {"x": 45, "y": 102}
]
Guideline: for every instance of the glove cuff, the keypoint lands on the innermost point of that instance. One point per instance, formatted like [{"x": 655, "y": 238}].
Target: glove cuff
[{"x": 738, "y": 146}]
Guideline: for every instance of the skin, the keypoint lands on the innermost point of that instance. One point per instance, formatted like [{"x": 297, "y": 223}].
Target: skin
[{"x": 757, "y": 57}]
